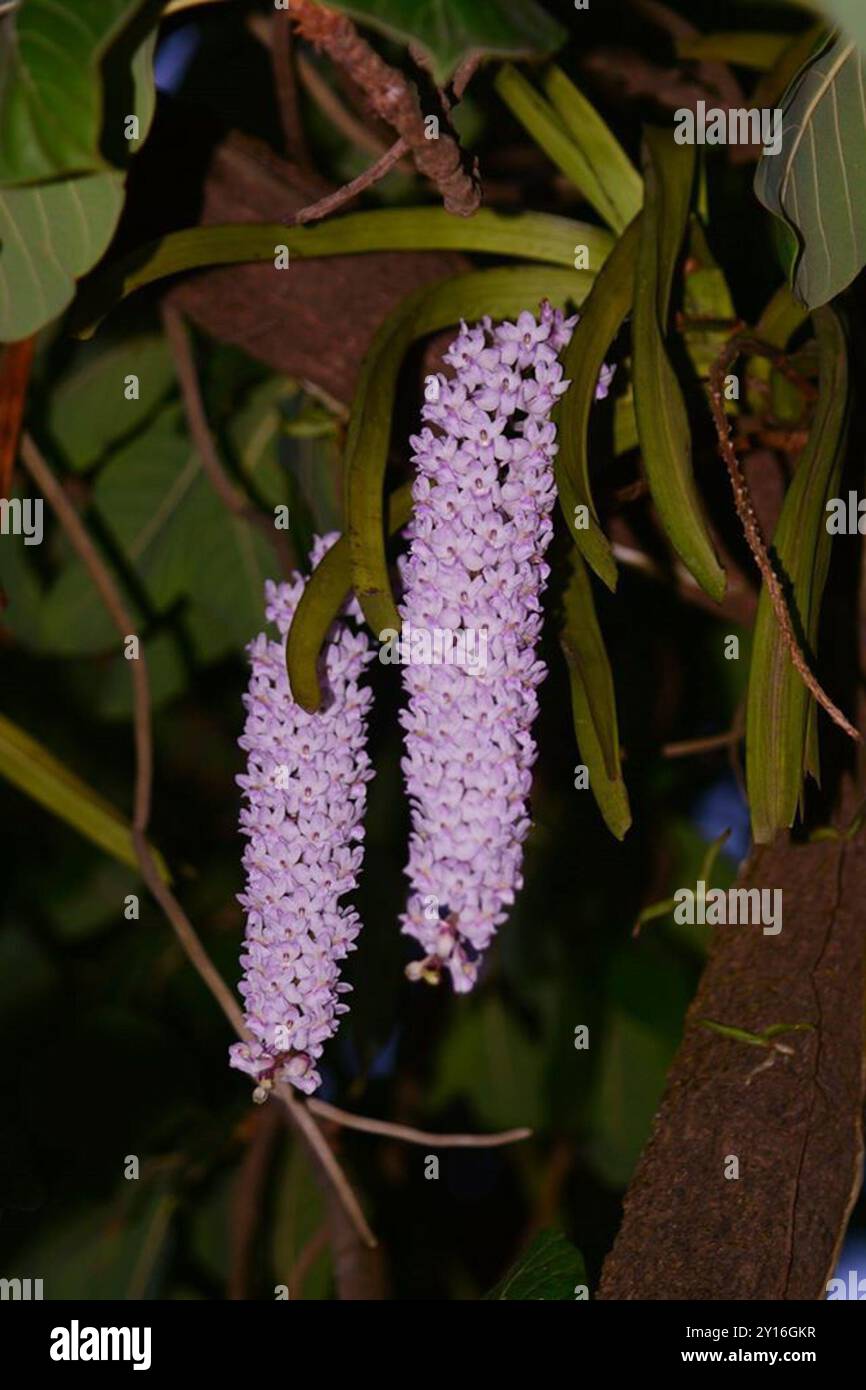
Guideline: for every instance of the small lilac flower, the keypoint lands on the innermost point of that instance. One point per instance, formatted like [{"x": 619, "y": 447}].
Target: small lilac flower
[
  {"x": 305, "y": 793},
  {"x": 483, "y": 495}
]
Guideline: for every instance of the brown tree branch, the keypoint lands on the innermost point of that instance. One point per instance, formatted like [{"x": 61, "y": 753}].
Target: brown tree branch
[{"x": 393, "y": 98}]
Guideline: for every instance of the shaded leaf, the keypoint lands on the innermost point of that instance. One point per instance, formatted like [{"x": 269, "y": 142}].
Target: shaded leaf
[
  {"x": 663, "y": 425},
  {"x": 778, "y": 708},
  {"x": 603, "y": 313},
  {"x": 593, "y": 701},
  {"x": 552, "y": 1268},
  {"x": 35, "y": 771},
  {"x": 450, "y": 31},
  {"x": 89, "y": 409},
  {"x": 746, "y": 48},
  {"x": 532, "y": 236},
  {"x": 814, "y": 183}
]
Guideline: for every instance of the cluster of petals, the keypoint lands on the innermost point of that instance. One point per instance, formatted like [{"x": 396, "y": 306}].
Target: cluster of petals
[
  {"x": 483, "y": 494},
  {"x": 305, "y": 789}
]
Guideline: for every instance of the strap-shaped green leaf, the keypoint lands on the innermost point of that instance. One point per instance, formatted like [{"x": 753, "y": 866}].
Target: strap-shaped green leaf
[
  {"x": 531, "y": 236},
  {"x": 593, "y": 701},
  {"x": 601, "y": 318},
  {"x": 663, "y": 425},
  {"x": 324, "y": 595},
  {"x": 779, "y": 707},
  {"x": 549, "y": 130},
  {"x": 613, "y": 170},
  {"x": 30, "y": 767},
  {"x": 500, "y": 293}
]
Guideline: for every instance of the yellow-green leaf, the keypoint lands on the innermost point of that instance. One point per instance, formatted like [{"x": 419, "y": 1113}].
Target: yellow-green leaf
[
  {"x": 593, "y": 701},
  {"x": 30, "y": 767},
  {"x": 601, "y": 318},
  {"x": 324, "y": 595},
  {"x": 614, "y": 172},
  {"x": 779, "y": 707},
  {"x": 549, "y": 130},
  {"x": 662, "y": 421},
  {"x": 532, "y": 236}
]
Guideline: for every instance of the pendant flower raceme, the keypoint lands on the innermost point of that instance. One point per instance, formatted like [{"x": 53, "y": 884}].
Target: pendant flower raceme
[
  {"x": 481, "y": 525},
  {"x": 305, "y": 793}
]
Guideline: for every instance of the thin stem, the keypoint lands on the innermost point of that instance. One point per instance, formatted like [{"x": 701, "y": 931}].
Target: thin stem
[
  {"x": 332, "y": 201},
  {"x": 416, "y": 1136},
  {"x": 200, "y": 432},
  {"x": 184, "y": 930},
  {"x": 687, "y": 746},
  {"x": 746, "y": 512},
  {"x": 286, "y": 89}
]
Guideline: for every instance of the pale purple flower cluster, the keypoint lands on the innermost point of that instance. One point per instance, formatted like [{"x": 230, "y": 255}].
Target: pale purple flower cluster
[
  {"x": 483, "y": 495},
  {"x": 305, "y": 791}
]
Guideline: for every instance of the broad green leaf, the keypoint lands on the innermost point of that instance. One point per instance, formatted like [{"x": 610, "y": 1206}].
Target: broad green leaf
[
  {"x": 552, "y": 1268},
  {"x": 227, "y": 563},
  {"x": 108, "y": 1252},
  {"x": 549, "y": 130},
  {"x": 778, "y": 712},
  {"x": 49, "y": 236},
  {"x": 448, "y": 32},
  {"x": 534, "y": 236},
  {"x": 602, "y": 316},
  {"x": 90, "y": 408},
  {"x": 613, "y": 170},
  {"x": 646, "y": 993},
  {"x": 489, "y": 1060},
  {"x": 30, "y": 767},
  {"x": 51, "y": 93},
  {"x": 814, "y": 185},
  {"x": 593, "y": 700},
  {"x": 663, "y": 424},
  {"x": 143, "y": 499},
  {"x": 499, "y": 293},
  {"x": 53, "y": 232},
  {"x": 325, "y": 593},
  {"x": 175, "y": 540},
  {"x": 746, "y": 48}
]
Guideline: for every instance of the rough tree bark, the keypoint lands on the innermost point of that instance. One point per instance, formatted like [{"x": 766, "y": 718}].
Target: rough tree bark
[{"x": 793, "y": 1121}]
